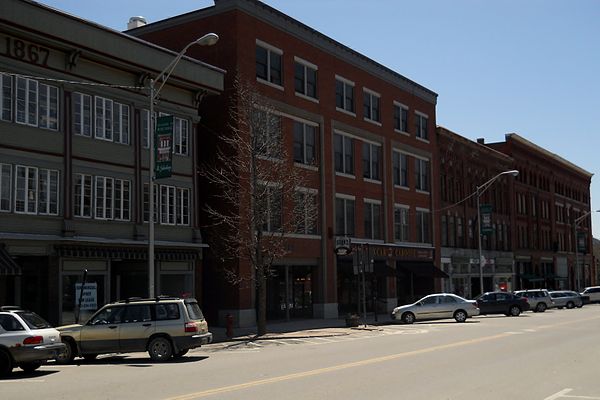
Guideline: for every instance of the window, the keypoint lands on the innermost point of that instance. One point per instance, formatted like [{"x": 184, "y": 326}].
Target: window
[
  {"x": 182, "y": 211},
  {"x": 306, "y": 210},
  {"x": 37, "y": 104},
  {"x": 270, "y": 207},
  {"x": 167, "y": 205},
  {"x": 121, "y": 123},
  {"x": 269, "y": 63},
  {"x": 344, "y": 216},
  {"x": 104, "y": 123},
  {"x": 421, "y": 126},
  {"x": 266, "y": 135},
  {"x": 372, "y": 219},
  {"x": 5, "y": 186},
  {"x": 343, "y": 154},
  {"x": 26, "y": 191},
  {"x": 6, "y": 96},
  {"x": 305, "y": 78},
  {"x": 371, "y": 157},
  {"x": 422, "y": 174},
  {"x": 122, "y": 200},
  {"x": 423, "y": 226},
  {"x": 82, "y": 114},
  {"x": 83, "y": 196},
  {"x": 48, "y": 192},
  {"x": 371, "y": 105},
  {"x": 400, "y": 169},
  {"x": 344, "y": 94},
  {"x": 181, "y": 136},
  {"x": 400, "y": 117},
  {"x": 401, "y": 223},
  {"x": 305, "y": 137},
  {"x": 147, "y": 203},
  {"x": 104, "y": 197},
  {"x": 444, "y": 230}
]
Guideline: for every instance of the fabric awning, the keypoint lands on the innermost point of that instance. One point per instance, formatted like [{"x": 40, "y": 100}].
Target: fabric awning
[
  {"x": 8, "y": 266},
  {"x": 426, "y": 269}
]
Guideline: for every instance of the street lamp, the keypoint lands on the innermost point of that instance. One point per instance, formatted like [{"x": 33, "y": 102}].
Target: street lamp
[
  {"x": 480, "y": 190},
  {"x": 576, "y": 223},
  {"x": 207, "y": 40}
]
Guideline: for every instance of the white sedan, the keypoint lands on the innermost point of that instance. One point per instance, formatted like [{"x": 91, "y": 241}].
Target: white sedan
[{"x": 436, "y": 306}]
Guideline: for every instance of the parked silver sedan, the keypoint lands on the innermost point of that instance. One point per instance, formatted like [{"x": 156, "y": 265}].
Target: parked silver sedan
[
  {"x": 566, "y": 298},
  {"x": 436, "y": 306}
]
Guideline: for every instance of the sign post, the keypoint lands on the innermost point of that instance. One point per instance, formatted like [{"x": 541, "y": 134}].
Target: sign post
[{"x": 163, "y": 147}]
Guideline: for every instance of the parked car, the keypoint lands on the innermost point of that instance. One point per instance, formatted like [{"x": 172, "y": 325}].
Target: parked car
[
  {"x": 593, "y": 292},
  {"x": 165, "y": 327},
  {"x": 436, "y": 306},
  {"x": 26, "y": 340},
  {"x": 502, "y": 303},
  {"x": 539, "y": 299},
  {"x": 566, "y": 298}
]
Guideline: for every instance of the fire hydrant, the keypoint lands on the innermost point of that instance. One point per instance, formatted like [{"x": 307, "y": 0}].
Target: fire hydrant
[{"x": 229, "y": 325}]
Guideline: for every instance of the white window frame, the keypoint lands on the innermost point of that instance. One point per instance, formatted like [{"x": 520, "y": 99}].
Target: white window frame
[
  {"x": 80, "y": 195},
  {"x": 306, "y": 65},
  {"x": 50, "y": 179},
  {"x": 182, "y": 210},
  {"x": 27, "y": 190},
  {"x": 421, "y": 133},
  {"x": 122, "y": 200},
  {"x": 103, "y": 116},
  {"x": 419, "y": 174},
  {"x": 81, "y": 113},
  {"x": 344, "y": 171},
  {"x": 402, "y": 155},
  {"x": 304, "y": 125},
  {"x": 121, "y": 123},
  {"x": 167, "y": 207},
  {"x": 270, "y": 50},
  {"x": 369, "y": 210},
  {"x": 6, "y": 186},
  {"x": 106, "y": 207},
  {"x": 420, "y": 212},
  {"x": 48, "y": 107},
  {"x": 181, "y": 136},
  {"x": 345, "y": 198},
  {"x": 370, "y": 94},
  {"x": 6, "y": 99},
  {"x": 404, "y": 223},
  {"x": 405, "y": 109},
  {"x": 24, "y": 103},
  {"x": 346, "y": 83},
  {"x": 379, "y": 148}
]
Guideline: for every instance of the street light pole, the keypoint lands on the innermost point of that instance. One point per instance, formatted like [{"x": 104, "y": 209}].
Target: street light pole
[
  {"x": 575, "y": 225},
  {"x": 480, "y": 190},
  {"x": 206, "y": 40}
]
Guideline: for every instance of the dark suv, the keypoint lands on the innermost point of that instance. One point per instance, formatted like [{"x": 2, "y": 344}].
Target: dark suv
[
  {"x": 501, "y": 303},
  {"x": 539, "y": 299},
  {"x": 165, "y": 327}
]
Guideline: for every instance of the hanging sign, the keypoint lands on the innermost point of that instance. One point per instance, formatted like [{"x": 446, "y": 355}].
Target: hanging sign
[{"x": 163, "y": 147}]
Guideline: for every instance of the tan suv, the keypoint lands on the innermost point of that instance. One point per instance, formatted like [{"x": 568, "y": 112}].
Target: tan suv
[{"x": 165, "y": 327}]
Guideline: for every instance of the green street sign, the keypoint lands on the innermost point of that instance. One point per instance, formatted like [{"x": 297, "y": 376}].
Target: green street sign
[
  {"x": 163, "y": 147},
  {"x": 485, "y": 211}
]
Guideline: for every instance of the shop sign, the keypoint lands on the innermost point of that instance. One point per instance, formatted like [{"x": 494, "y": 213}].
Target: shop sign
[
  {"x": 89, "y": 298},
  {"x": 342, "y": 246},
  {"x": 163, "y": 147},
  {"x": 485, "y": 211},
  {"x": 401, "y": 253}
]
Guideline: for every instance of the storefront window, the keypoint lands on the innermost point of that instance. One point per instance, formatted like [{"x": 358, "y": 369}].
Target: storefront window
[{"x": 92, "y": 297}]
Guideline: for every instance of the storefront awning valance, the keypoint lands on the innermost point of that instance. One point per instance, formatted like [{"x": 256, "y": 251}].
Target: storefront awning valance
[
  {"x": 126, "y": 253},
  {"x": 8, "y": 266},
  {"x": 532, "y": 278},
  {"x": 422, "y": 269}
]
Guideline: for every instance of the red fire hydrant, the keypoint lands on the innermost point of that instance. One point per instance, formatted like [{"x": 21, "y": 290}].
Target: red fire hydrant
[{"x": 229, "y": 325}]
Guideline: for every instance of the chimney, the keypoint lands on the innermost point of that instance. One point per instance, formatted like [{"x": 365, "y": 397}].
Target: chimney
[
  {"x": 481, "y": 140},
  {"x": 136, "y": 22}
]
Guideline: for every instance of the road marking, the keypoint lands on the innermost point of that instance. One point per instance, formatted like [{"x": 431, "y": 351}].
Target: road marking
[
  {"x": 355, "y": 364},
  {"x": 514, "y": 333},
  {"x": 23, "y": 380},
  {"x": 558, "y": 395}
]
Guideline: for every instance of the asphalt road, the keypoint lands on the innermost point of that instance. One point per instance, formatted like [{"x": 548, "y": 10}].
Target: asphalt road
[{"x": 547, "y": 356}]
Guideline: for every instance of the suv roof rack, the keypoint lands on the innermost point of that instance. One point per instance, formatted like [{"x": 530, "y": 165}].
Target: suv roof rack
[{"x": 157, "y": 298}]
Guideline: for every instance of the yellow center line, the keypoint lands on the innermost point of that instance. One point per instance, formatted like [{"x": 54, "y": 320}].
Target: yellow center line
[{"x": 369, "y": 361}]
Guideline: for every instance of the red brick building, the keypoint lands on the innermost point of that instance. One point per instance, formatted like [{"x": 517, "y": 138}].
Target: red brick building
[{"x": 365, "y": 136}]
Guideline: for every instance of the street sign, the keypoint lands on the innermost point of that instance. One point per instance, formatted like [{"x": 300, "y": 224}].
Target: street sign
[
  {"x": 163, "y": 147},
  {"x": 485, "y": 211}
]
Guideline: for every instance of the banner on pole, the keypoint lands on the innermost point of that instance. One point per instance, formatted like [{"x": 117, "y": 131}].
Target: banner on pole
[{"x": 163, "y": 147}]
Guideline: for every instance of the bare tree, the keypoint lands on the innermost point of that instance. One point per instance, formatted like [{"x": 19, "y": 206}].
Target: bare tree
[{"x": 259, "y": 198}]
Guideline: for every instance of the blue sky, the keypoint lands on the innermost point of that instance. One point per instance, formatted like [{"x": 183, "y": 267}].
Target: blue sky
[{"x": 526, "y": 66}]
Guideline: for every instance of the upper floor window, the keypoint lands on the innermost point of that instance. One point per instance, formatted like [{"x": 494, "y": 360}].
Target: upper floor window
[
  {"x": 83, "y": 204},
  {"x": 421, "y": 126},
  {"x": 400, "y": 169},
  {"x": 5, "y": 187},
  {"x": 6, "y": 97},
  {"x": 305, "y": 137},
  {"x": 400, "y": 117},
  {"x": 48, "y": 192},
  {"x": 422, "y": 174},
  {"x": 371, "y": 105},
  {"x": 344, "y": 215},
  {"x": 372, "y": 217},
  {"x": 36, "y": 190},
  {"x": 423, "y": 226},
  {"x": 82, "y": 114},
  {"x": 174, "y": 205},
  {"x": 266, "y": 134},
  {"x": 305, "y": 203},
  {"x": 270, "y": 207},
  {"x": 269, "y": 65},
  {"x": 305, "y": 78},
  {"x": 401, "y": 227},
  {"x": 344, "y": 94},
  {"x": 36, "y": 103},
  {"x": 343, "y": 154},
  {"x": 181, "y": 136},
  {"x": 111, "y": 118},
  {"x": 371, "y": 157}
]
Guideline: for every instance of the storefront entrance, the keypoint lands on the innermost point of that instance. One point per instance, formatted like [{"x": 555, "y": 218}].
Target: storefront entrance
[{"x": 299, "y": 302}]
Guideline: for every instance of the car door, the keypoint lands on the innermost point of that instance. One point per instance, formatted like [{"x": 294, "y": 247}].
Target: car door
[
  {"x": 447, "y": 306},
  {"x": 427, "y": 308},
  {"x": 137, "y": 327},
  {"x": 486, "y": 303},
  {"x": 101, "y": 333},
  {"x": 502, "y": 303}
]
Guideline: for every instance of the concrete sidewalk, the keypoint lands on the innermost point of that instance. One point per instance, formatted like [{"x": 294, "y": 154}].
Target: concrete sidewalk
[{"x": 300, "y": 328}]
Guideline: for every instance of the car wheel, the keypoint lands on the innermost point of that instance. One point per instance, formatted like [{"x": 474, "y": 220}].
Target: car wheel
[
  {"x": 541, "y": 307},
  {"x": 460, "y": 316},
  {"x": 570, "y": 305},
  {"x": 408, "y": 318},
  {"x": 515, "y": 311},
  {"x": 90, "y": 357},
  {"x": 160, "y": 349},
  {"x": 180, "y": 353},
  {"x": 68, "y": 355},
  {"x": 30, "y": 366},
  {"x": 6, "y": 364}
]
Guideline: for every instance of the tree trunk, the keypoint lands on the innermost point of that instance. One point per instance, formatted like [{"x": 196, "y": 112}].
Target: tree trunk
[{"x": 261, "y": 324}]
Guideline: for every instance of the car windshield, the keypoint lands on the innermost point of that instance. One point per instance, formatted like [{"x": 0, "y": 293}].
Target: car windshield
[
  {"x": 194, "y": 311},
  {"x": 33, "y": 320}
]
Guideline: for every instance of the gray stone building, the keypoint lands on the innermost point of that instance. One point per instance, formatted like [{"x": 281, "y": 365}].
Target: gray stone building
[{"x": 74, "y": 163}]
